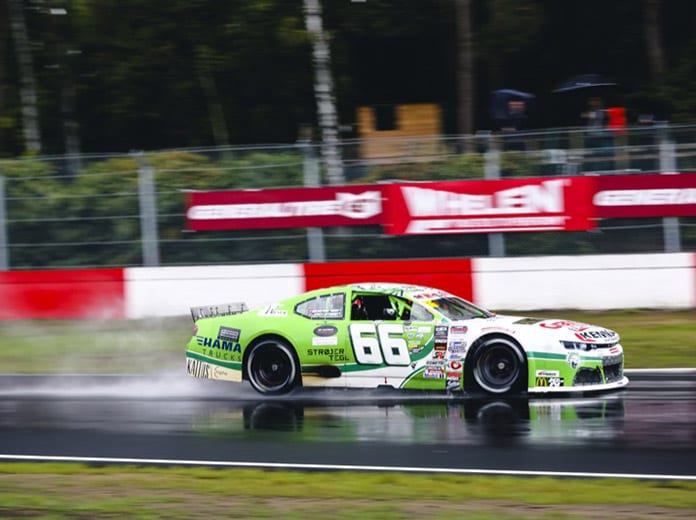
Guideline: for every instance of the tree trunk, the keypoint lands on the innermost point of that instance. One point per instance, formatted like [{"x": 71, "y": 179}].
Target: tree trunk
[
  {"x": 324, "y": 92},
  {"x": 71, "y": 128},
  {"x": 465, "y": 70},
  {"x": 216, "y": 115},
  {"x": 27, "y": 81},
  {"x": 3, "y": 75},
  {"x": 653, "y": 39}
]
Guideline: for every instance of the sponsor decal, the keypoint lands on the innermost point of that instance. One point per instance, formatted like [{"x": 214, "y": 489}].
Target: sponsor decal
[
  {"x": 325, "y": 330},
  {"x": 452, "y": 384},
  {"x": 433, "y": 373},
  {"x": 441, "y": 331},
  {"x": 206, "y": 342},
  {"x": 458, "y": 329},
  {"x": 430, "y": 295},
  {"x": 220, "y": 372},
  {"x": 592, "y": 336},
  {"x": 273, "y": 310},
  {"x": 229, "y": 334},
  {"x": 573, "y": 361},
  {"x": 614, "y": 350},
  {"x": 564, "y": 324},
  {"x": 453, "y": 376},
  {"x": 415, "y": 348},
  {"x": 440, "y": 337},
  {"x": 547, "y": 373},
  {"x": 455, "y": 365},
  {"x": 441, "y": 347},
  {"x": 333, "y": 354},
  {"x": 321, "y": 341},
  {"x": 438, "y": 354},
  {"x": 435, "y": 363},
  {"x": 197, "y": 368},
  {"x": 552, "y": 382}
]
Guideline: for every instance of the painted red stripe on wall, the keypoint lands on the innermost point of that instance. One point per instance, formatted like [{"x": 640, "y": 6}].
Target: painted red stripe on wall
[
  {"x": 452, "y": 275},
  {"x": 79, "y": 293}
]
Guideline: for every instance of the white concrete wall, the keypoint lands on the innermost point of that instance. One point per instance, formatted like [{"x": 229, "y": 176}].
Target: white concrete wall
[
  {"x": 171, "y": 291},
  {"x": 585, "y": 282},
  {"x": 526, "y": 283}
]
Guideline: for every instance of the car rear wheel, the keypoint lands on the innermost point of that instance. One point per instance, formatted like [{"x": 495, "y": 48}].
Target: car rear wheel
[
  {"x": 498, "y": 366},
  {"x": 271, "y": 367}
]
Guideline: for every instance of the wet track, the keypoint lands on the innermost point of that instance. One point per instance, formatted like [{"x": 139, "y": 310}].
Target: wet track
[{"x": 647, "y": 430}]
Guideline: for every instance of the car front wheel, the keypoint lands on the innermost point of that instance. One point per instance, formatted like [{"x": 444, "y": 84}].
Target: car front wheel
[
  {"x": 271, "y": 367},
  {"x": 498, "y": 366}
]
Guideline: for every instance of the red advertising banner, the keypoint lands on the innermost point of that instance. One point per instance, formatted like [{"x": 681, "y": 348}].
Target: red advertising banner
[
  {"x": 284, "y": 208},
  {"x": 666, "y": 195},
  {"x": 491, "y": 206}
]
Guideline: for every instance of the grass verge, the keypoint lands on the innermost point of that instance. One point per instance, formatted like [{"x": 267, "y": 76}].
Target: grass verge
[{"x": 78, "y": 491}]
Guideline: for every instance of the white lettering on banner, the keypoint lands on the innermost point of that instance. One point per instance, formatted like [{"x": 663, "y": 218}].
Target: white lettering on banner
[
  {"x": 546, "y": 197},
  {"x": 356, "y": 206},
  {"x": 479, "y": 225},
  {"x": 649, "y": 197}
]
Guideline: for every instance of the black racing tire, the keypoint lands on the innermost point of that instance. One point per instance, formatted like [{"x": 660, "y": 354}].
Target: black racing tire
[
  {"x": 272, "y": 367},
  {"x": 498, "y": 366}
]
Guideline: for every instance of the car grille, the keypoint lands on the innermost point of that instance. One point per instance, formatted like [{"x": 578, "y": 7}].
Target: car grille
[
  {"x": 613, "y": 368},
  {"x": 613, "y": 371},
  {"x": 587, "y": 376}
]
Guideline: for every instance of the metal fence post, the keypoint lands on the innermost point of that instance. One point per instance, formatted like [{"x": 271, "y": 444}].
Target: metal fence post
[
  {"x": 4, "y": 248},
  {"x": 315, "y": 235},
  {"x": 668, "y": 164},
  {"x": 148, "y": 211},
  {"x": 491, "y": 170}
]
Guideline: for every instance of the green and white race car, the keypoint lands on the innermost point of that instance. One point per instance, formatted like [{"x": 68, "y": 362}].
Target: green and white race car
[{"x": 369, "y": 335}]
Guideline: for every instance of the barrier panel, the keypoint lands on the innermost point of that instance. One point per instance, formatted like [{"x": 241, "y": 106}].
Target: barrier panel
[
  {"x": 62, "y": 294},
  {"x": 593, "y": 282}
]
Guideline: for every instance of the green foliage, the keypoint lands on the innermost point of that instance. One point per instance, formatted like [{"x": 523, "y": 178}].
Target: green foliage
[{"x": 455, "y": 167}]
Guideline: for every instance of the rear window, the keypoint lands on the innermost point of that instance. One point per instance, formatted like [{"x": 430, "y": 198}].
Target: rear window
[{"x": 326, "y": 307}]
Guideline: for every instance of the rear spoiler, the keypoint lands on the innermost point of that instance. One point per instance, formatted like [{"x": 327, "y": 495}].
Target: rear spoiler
[{"x": 210, "y": 311}]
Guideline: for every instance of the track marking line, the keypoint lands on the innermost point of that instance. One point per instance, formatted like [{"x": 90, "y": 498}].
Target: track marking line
[{"x": 339, "y": 467}]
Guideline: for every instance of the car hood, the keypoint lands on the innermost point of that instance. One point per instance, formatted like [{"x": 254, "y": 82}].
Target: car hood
[{"x": 562, "y": 330}]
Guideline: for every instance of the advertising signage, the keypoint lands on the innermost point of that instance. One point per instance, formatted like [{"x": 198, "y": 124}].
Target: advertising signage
[
  {"x": 478, "y": 206},
  {"x": 543, "y": 204},
  {"x": 631, "y": 196},
  {"x": 284, "y": 208}
]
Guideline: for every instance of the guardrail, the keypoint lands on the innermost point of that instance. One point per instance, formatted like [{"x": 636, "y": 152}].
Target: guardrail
[{"x": 128, "y": 209}]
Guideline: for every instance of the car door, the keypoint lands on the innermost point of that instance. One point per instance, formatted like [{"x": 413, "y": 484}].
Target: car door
[
  {"x": 385, "y": 342},
  {"x": 324, "y": 338}
]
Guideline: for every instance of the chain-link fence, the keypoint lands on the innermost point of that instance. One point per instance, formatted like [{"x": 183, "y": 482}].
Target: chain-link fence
[{"x": 128, "y": 209}]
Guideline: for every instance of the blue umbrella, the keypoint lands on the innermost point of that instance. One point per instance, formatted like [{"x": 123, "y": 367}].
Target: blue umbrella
[
  {"x": 583, "y": 82},
  {"x": 500, "y": 99}
]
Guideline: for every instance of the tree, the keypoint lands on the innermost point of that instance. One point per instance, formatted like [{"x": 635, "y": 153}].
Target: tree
[
  {"x": 652, "y": 22},
  {"x": 27, "y": 80},
  {"x": 465, "y": 69}
]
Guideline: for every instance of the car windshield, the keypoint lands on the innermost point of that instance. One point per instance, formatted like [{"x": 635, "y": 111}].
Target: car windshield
[{"x": 457, "y": 309}]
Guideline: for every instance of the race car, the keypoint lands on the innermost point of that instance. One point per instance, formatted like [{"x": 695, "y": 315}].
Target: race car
[{"x": 369, "y": 335}]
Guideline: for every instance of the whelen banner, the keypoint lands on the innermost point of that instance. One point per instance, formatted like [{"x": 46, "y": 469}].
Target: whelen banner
[
  {"x": 513, "y": 205},
  {"x": 284, "y": 208},
  {"x": 666, "y": 195}
]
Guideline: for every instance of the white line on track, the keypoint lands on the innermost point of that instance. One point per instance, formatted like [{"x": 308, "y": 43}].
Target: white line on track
[{"x": 340, "y": 467}]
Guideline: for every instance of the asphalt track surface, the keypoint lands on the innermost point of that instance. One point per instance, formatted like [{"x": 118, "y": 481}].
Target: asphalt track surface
[{"x": 647, "y": 430}]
